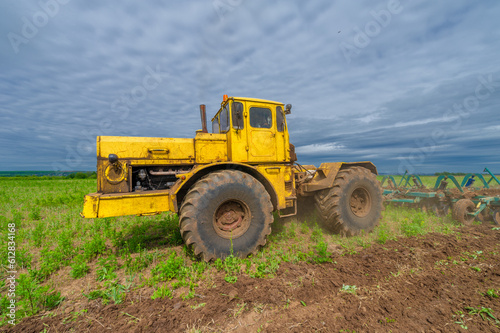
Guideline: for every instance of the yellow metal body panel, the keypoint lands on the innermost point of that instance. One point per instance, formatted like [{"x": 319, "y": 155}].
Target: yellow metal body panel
[
  {"x": 150, "y": 149},
  {"x": 277, "y": 175},
  {"x": 282, "y": 145},
  {"x": 98, "y": 205},
  {"x": 210, "y": 148},
  {"x": 262, "y": 145},
  {"x": 237, "y": 145},
  {"x": 328, "y": 169},
  {"x": 326, "y": 173}
]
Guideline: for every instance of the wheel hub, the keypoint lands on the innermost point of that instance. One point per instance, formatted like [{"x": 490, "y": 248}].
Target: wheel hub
[
  {"x": 360, "y": 202},
  {"x": 231, "y": 219}
]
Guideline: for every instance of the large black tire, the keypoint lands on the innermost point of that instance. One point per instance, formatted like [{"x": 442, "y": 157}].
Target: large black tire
[
  {"x": 461, "y": 209},
  {"x": 226, "y": 211},
  {"x": 353, "y": 204}
]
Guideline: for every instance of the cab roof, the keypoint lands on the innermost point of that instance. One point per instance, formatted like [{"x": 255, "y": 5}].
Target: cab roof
[{"x": 248, "y": 99}]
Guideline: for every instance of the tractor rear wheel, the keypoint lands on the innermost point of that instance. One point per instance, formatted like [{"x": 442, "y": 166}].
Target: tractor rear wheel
[
  {"x": 226, "y": 212},
  {"x": 354, "y": 203},
  {"x": 461, "y": 211}
]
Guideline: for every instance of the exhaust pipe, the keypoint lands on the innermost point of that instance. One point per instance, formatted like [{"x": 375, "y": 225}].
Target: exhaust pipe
[{"x": 203, "y": 114}]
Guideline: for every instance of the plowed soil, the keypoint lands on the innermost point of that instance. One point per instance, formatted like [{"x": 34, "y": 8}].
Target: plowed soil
[{"x": 419, "y": 284}]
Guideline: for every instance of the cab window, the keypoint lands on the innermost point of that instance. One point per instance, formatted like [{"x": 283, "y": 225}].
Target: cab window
[
  {"x": 215, "y": 125},
  {"x": 224, "y": 119},
  {"x": 261, "y": 117},
  {"x": 280, "y": 119},
  {"x": 238, "y": 123}
]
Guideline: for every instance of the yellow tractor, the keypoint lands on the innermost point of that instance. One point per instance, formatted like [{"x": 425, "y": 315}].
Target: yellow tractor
[{"x": 225, "y": 185}]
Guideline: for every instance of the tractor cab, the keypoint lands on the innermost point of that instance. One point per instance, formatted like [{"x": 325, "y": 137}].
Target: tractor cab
[{"x": 255, "y": 129}]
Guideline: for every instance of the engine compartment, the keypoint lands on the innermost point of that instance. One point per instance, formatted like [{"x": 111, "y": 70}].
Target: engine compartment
[{"x": 151, "y": 178}]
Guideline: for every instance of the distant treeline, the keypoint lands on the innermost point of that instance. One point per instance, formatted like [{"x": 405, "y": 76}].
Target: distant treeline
[
  {"x": 446, "y": 173},
  {"x": 50, "y": 174}
]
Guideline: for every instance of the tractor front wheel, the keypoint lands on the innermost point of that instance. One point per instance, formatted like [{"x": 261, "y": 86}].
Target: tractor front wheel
[
  {"x": 226, "y": 212},
  {"x": 353, "y": 204}
]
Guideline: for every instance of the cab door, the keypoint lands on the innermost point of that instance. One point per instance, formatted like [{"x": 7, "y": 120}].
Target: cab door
[
  {"x": 237, "y": 139},
  {"x": 261, "y": 133}
]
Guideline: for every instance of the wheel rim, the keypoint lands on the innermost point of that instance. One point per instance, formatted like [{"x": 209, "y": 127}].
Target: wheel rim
[
  {"x": 360, "y": 202},
  {"x": 231, "y": 219}
]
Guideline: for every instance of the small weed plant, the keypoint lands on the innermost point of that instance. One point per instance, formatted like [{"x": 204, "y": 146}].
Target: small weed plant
[
  {"x": 322, "y": 254},
  {"x": 349, "y": 289},
  {"x": 460, "y": 319},
  {"x": 79, "y": 269},
  {"x": 33, "y": 297},
  {"x": 162, "y": 292},
  {"x": 414, "y": 226},
  {"x": 484, "y": 313},
  {"x": 106, "y": 268},
  {"x": 492, "y": 293}
]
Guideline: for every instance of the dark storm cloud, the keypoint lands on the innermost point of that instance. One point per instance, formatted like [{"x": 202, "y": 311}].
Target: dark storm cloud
[{"x": 368, "y": 80}]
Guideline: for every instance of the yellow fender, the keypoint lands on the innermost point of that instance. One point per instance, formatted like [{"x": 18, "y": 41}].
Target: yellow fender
[
  {"x": 199, "y": 172},
  {"x": 326, "y": 173}
]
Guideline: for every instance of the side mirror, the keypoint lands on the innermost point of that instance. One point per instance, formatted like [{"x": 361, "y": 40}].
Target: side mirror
[
  {"x": 288, "y": 109},
  {"x": 238, "y": 111}
]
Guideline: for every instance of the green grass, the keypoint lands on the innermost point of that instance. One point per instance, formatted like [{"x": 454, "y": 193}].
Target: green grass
[
  {"x": 56, "y": 247},
  {"x": 79, "y": 268}
]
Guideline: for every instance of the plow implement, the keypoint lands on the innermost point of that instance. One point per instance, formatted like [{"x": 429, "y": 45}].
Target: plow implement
[{"x": 467, "y": 201}]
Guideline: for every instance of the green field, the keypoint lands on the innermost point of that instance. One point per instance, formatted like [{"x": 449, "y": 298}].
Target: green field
[
  {"x": 49, "y": 174},
  {"x": 61, "y": 258}
]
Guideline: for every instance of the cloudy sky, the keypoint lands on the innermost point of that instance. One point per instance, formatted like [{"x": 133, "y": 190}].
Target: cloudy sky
[{"x": 406, "y": 84}]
